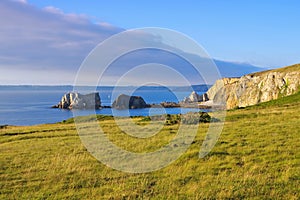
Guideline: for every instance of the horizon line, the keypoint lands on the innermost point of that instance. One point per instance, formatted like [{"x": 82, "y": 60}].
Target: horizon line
[{"x": 67, "y": 85}]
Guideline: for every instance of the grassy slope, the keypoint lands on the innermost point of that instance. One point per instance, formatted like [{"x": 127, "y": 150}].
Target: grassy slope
[
  {"x": 287, "y": 69},
  {"x": 257, "y": 156}
]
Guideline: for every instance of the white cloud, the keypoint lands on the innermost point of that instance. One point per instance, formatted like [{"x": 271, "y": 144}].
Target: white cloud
[
  {"x": 53, "y": 10},
  {"x": 22, "y": 1},
  {"x": 71, "y": 17},
  {"x": 45, "y": 39}
]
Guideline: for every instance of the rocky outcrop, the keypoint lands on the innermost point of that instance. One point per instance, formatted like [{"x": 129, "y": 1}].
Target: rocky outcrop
[
  {"x": 194, "y": 97},
  {"x": 74, "y": 100},
  {"x": 169, "y": 105},
  {"x": 129, "y": 102},
  {"x": 255, "y": 88}
]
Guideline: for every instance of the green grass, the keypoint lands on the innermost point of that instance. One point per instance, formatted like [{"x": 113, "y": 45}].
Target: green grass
[
  {"x": 256, "y": 157},
  {"x": 287, "y": 69}
]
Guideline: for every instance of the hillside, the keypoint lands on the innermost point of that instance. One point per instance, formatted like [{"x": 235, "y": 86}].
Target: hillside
[
  {"x": 256, "y": 157},
  {"x": 255, "y": 88}
]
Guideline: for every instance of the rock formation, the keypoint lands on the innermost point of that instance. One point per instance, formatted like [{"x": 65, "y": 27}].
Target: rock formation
[
  {"x": 74, "y": 100},
  {"x": 254, "y": 88},
  {"x": 129, "y": 102},
  {"x": 194, "y": 97},
  {"x": 168, "y": 105}
]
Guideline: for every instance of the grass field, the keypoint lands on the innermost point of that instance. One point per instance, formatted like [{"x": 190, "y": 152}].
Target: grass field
[{"x": 256, "y": 157}]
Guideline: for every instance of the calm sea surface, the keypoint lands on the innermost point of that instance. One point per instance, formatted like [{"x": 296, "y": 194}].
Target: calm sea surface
[{"x": 29, "y": 105}]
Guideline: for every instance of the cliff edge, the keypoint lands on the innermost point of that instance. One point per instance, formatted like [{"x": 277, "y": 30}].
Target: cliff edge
[{"x": 255, "y": 88}]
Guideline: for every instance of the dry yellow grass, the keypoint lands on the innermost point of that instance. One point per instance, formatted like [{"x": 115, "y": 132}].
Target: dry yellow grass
[{"x": 256, "y": 157}]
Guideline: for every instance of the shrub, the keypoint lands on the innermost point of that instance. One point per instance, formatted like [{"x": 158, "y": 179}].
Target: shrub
[{"x": 195, "y": 118}]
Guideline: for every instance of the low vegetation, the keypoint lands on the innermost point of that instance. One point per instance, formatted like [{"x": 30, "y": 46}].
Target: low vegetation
[
  {"x": 256, "y": 157},
  {"x": 188, "y": 118},
  {"x": 291, "y": 68}
]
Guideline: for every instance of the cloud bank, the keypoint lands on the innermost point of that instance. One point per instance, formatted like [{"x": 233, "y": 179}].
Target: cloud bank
[{"x": 45, "y": 46}]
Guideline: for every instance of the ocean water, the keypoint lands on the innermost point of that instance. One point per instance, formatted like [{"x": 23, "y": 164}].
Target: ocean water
[{"x": 30, "y": 105}]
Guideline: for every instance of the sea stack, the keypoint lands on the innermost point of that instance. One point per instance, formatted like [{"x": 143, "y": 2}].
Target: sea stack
[
  {"x": 74, "y": 100},
  {"x": 194, "y": 98},
  {"x": 129, "y": 102}
]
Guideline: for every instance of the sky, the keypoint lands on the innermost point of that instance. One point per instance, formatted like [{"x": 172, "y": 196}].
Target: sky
[
  {"x": 51, "y": 38},
  {"x": 263, "y": 33}
]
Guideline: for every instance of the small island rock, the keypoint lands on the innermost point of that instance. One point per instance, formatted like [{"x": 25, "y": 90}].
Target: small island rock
[
  {"x": 74, "y": 100},
  {"x": 194, "y": 98},
  {"x": 129, "y": 102}
]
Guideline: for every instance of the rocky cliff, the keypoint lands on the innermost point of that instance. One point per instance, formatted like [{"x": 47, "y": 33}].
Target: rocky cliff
[
  {"x": 254, "y": 88},
  {"x": 129, "y": 102},
  {"x": 74, "y": 100},
  {"x": 194, "y": 97}
]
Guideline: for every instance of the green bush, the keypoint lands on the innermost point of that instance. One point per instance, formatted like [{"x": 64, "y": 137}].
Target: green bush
[{"x": 195, "y": 118}]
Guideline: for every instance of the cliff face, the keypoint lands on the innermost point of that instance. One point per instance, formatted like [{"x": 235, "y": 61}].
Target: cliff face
[
  {"x": 255, "y": 88},
  {"x": 129, "y": 102},
  {"x": 75, "y": 100}
]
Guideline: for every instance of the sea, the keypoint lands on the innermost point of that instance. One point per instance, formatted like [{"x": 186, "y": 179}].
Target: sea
[{"x": 31, "y": 105}]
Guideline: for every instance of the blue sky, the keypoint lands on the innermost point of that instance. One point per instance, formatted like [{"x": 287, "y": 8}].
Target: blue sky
[
  {"x": 264, "y": 33},
  {"x": 45, "y": 42}
]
